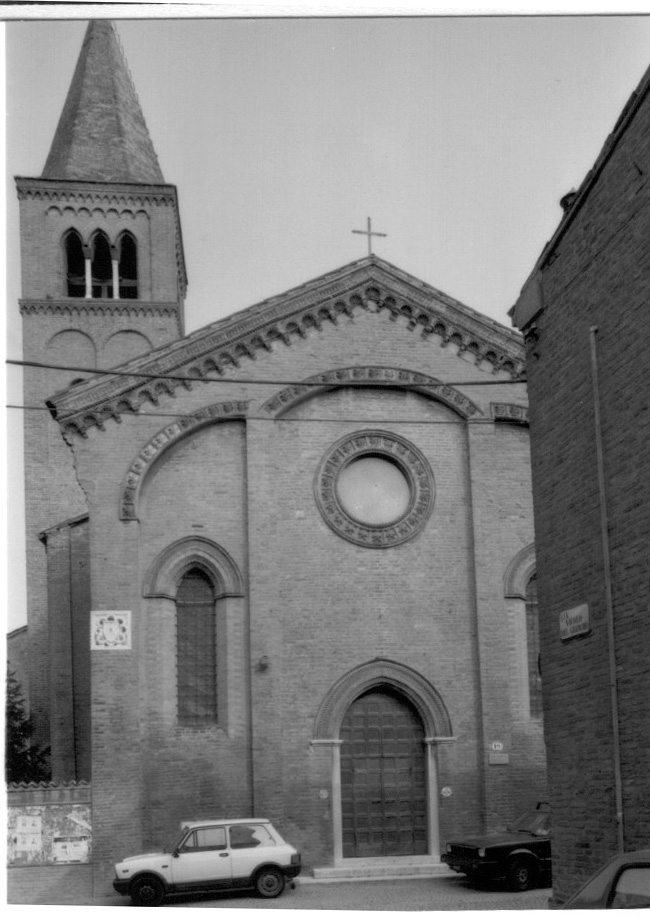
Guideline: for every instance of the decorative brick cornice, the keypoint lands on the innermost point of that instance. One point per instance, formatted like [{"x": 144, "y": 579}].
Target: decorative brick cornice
[
  {"x": 76, "y": 307},
  {"x": 49, "y": 793},
  {"x": 100, "y": 307},
  {"x": 48, "y": 785},
  {"x": 368, "y": 285},
  {"x": 111, "y": 194},
  {"x": 382, "y": 376},
  {"x": 509, "y": 412},
  {"x": 130, "y": 489}
]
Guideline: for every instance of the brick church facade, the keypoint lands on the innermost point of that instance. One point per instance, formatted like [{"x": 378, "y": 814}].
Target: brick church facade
[{"x": 282, "y": 565}]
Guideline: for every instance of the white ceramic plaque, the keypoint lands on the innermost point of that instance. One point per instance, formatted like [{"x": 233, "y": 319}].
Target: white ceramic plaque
[{"x": 110, "y": 630}]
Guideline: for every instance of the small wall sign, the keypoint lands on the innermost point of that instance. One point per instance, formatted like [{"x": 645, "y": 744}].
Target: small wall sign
[
  {"x": 574, "y": 622},
  {"x": 446, "y": 791},
  {"x": 110, "y": 630},
  {"x": 496, "y": 746}
]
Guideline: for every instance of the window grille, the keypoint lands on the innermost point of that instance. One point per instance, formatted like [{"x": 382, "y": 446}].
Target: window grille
[
  {"x": 196, "y": 650},
  {"x": 532, "y": 634}
]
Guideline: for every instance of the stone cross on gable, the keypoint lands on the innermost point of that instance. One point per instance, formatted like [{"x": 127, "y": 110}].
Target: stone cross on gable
[{"x": 368, "y": 232}]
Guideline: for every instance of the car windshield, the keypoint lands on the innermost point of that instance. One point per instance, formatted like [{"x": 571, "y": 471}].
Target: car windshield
[
  {"x": 177, "y": 842},
  {"x": 536, "y": 823}
]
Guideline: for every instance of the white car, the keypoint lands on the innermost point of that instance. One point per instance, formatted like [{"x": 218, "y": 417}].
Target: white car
[{"x": 211, "y": 854}]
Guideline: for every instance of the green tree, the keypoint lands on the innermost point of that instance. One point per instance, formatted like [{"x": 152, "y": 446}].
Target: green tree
[{"x": 25, "y": 762}]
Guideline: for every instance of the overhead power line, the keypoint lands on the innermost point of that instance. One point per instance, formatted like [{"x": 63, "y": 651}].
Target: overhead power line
[
  {"x": 222, "y": 379},
  {"x": 138, "y": 415}
]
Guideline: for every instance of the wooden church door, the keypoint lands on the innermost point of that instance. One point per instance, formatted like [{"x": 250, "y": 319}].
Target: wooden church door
[{"x": 383, "y": 777}]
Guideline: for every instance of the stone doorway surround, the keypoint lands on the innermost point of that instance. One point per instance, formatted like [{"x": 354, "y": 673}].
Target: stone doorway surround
[{"x": 438, "y": 731}]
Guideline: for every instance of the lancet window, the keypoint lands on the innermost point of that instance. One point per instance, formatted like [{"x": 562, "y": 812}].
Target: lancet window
[
  {"x": 196, "y": 649},
  {"x": 75, "y": 264},
  {"x": 128, "y": 267},
  {"x": 532, "y": 633}
]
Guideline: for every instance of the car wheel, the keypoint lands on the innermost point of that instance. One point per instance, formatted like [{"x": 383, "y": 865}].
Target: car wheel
[
  {"x": 522, "y": 874},
  {"x": 269, "y": 882},
  {"x": 147, "y": 891}
]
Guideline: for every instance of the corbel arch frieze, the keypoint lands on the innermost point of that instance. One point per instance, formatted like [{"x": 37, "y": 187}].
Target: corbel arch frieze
[
  {"x": 103, "y": 212},
  {"x": 518, "y": 573},
  {"x": 90, "y": 197},
  {"x": 167, "y": 570},
  {"x": 382, "y": 673},
  {"x": 509, "y": 412},
  {"x": 363, "y": 376},
  {"x": 281, "y": 323},
  {"x": 168, "y": 436}
]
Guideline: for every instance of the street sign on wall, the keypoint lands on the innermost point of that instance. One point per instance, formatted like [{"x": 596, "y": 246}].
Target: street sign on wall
[{"x": 574, "y": 622}]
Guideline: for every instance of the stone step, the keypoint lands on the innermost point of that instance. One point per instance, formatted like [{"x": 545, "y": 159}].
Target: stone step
[{"x": 383, "y": 868}]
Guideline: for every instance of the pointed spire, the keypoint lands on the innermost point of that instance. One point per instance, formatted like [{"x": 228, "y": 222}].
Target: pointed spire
[{"x": 102, "y": 135}]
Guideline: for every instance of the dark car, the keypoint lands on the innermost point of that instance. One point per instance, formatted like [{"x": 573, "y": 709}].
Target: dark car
[
  {"x": 521, "y": 856},
  {"x": 622, "y": 882}
]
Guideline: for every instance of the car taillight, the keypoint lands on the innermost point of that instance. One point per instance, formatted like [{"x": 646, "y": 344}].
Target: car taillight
[
  {"x": 295, "y": 859},
  {"x": 481, "y": 851}
]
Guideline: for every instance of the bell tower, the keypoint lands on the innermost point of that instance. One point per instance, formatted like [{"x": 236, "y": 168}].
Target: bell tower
[
  {"x": 103, "y": 281},
  {"x": 103, "y": 273}
]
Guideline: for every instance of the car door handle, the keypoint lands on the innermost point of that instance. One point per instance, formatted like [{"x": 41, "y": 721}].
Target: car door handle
[{"x": 223, "y": 854}]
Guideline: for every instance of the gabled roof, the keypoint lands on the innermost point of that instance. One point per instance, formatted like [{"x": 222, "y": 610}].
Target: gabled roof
[
  {"x": 368, "y": 284},
  {"x": 102, "y": 135}
]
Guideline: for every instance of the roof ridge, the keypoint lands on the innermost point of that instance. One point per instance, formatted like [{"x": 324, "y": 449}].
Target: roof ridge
[
  {"x": 133, "y": 87},
  {"x": 361, "y": 285}
]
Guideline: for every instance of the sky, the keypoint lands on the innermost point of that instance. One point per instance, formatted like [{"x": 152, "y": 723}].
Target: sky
[{"x": 457, "y": 135}]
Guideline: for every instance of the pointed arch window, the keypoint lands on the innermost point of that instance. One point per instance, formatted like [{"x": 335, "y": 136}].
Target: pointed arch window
[
  {"x": 532, "y": 636},
  {"x": 75, "y": 265},
  {"x": 101, "y": 271},
  {"x": 101, "y": 267},
  {"x": 196, "y": 649},
  {"x": 128, "y": 267}
]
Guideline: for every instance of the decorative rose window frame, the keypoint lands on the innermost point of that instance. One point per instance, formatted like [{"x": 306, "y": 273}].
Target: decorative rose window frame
[{"x": 410, "y": 461}]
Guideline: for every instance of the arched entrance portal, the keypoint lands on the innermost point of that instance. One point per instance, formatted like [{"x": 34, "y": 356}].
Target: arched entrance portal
[
  {"x": 381, "y": 725},
  {"x": 383, "y": 777}
]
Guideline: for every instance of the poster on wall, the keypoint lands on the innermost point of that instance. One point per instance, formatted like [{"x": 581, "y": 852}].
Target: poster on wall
[
  {"x": 49, "y": 834},
  {"x": 28, "y": 837},
  {"x": 73, "y": 849}
]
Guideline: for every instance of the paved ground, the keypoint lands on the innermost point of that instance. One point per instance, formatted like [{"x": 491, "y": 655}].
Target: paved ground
[
  {"x": 440, "y": 894},
  {"x": 71, "y": 886}
]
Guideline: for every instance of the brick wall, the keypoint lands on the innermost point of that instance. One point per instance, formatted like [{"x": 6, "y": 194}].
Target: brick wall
[{"x": 595, "y": 275}]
